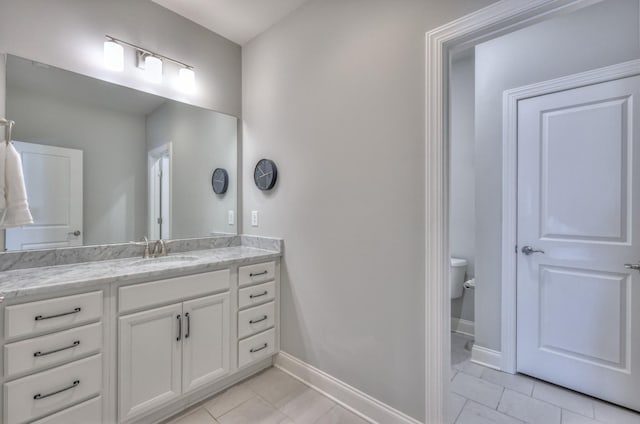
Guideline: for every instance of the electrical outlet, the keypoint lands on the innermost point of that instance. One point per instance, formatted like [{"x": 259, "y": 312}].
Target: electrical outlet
[
  {"x": 231, "y": 217},
  {"x": 254, "y": 218}
]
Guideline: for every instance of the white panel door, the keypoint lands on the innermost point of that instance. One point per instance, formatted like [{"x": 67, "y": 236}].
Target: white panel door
[
  {"x": 206, "y": 341},
  {"x": 579, "y": 202},
  {"x": 53, "y": 179},
  {"x": 149, "y": 360}
]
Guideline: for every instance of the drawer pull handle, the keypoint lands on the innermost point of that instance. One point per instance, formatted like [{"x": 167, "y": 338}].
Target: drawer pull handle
[
  {"x": 75, "y": 311},
  {"x": 263, "y": 347},
  {"x": 259, "y": 273},
  {"x": 255, "y": 321},
  {"x": 179, "y": 318},
  {"x": 253, "y": 296},
  {"x": 41, "y": 396},
  {"x": 38, "y": 354},
  {"x": 186, "y": 336}
]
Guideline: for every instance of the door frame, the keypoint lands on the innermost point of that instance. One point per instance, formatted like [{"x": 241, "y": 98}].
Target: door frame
[
  {"x": 490, "y": 22},
  {"x": 510, "y": 185},
  {"x": 152, "y": 157}
]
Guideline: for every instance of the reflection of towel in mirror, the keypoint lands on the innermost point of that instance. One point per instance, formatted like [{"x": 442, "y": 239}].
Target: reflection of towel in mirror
[{"x": 14, "y": 209}]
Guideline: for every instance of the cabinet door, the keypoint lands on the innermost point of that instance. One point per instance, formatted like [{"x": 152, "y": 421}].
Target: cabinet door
[
  {"x": 206, "y": 341},
  {"x": 149, "y": 360}
]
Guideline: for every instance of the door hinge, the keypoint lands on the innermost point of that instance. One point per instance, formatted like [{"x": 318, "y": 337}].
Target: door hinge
[
  {"x": 160, "y": 220},
  {"x": 515, "y": 250}
]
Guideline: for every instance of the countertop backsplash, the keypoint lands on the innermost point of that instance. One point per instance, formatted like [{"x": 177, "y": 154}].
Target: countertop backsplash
[{"x": 10, "y": 261}]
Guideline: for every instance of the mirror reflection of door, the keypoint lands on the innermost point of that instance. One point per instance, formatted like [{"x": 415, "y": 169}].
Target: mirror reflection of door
[
  {"x": 160, "y": 192},
  {"x": 53, "y": 180}
]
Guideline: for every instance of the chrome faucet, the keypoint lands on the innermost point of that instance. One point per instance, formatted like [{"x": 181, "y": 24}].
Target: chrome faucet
[
  {"x": 143, "y": 242},
  {"x": 147, "y": 253},
  {"x": 163, "y": 249}
]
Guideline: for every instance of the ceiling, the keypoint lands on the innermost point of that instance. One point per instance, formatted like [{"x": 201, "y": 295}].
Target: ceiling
[{"x": 237, "y": 20}]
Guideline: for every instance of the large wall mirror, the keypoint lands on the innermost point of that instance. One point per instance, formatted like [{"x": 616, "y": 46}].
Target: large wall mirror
[{"x": 109, "y": 164}]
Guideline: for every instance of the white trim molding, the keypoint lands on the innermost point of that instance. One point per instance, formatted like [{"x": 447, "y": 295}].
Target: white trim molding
[
  {"x": 495, "y": 20},
  {"x": 510, "y": 186},
  {"x": 462, "y": 326},
  {"x": 486, "y": 357},
  {"x": 345, "y": 395}
]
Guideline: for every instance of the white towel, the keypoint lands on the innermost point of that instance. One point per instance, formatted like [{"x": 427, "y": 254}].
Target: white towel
[{"x": 14, "y": 208}]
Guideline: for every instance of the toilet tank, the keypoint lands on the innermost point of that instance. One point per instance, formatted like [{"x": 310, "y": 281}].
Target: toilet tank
[{"x": 457, "y": 273}]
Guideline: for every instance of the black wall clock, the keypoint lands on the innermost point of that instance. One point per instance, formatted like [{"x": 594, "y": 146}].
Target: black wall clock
[
  {"x": 266, "y": 174},
  {"x": 220, "y": 181}
]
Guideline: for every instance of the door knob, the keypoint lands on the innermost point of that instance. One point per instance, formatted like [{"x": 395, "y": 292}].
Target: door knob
[
  {"x": 528, "y": 250},
  {"x": 76, "y": 233},
  {"x": 632, "y": 266}
]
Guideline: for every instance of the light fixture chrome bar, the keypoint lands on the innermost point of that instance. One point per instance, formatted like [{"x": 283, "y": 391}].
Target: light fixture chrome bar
[{"x": 146, "y": 51}]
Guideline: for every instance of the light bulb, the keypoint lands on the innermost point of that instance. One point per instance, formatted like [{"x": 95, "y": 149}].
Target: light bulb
[
  {"x": 113, "y": 56},
  {"x": 153, "y": 68},
  {"x": 187, "y": 80}
]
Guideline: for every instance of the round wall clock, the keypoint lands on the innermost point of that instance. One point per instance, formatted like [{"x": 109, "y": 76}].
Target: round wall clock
[
  {"x": 220, "y": 181},
  {"x": 266, "y": 174}
]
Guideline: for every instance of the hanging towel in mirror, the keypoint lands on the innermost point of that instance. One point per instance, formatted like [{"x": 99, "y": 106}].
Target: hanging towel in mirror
[{"x": 14, "y": 208}]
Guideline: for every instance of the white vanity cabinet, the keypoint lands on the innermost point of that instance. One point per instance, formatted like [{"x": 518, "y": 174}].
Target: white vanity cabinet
[
  {"x": 169, "y": 351},
  {"x": 258, "y": 316},
  {"x": 53, "y": 366},
  {"x": 136, "y": 352}
]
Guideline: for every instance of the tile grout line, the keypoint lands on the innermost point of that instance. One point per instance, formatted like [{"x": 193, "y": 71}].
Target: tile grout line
[{"x": 461, "y": 409}]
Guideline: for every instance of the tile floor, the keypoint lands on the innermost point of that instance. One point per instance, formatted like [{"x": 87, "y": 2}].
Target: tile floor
[
  {"x": 482, "y": 395},
  {"x": 270, "y": 397},
  {"x": 478, "y": 395}
]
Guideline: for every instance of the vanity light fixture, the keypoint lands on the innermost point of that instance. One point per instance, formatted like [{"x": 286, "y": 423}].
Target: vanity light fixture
[
  {"x": 153, "y": 68},
  {"x": 187, "y": 80},
  {"x": 113, "y": 55},
  {"x": 151, "y": 62}
]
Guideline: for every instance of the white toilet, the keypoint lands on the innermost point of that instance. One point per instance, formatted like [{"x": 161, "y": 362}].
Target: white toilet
[{"x": 457, "y": 274}]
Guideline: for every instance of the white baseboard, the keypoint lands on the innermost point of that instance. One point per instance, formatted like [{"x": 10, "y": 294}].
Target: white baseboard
[
  {"x": 486, "y": 357},
  {"x": 349, "y": 397},
  {"x": 463, "y": 326}
]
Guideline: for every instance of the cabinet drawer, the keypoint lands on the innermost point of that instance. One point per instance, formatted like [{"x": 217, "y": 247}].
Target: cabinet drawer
[
  {"x": 257, "y": 347},
  {"x": 40, "y": 394},
  {"x": 255, "y": 320},
  {"x": 256, "y": 295},
  {"x": 40, "y": 352},
  {"x": 256, "y": 273},
  {"x": 171, "y": 290},
  {"x": 89, "y": 412},
  {"x": 52, "y": 314}
]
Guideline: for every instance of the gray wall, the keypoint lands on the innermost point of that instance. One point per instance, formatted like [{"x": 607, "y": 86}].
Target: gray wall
[
  {"x": 462, "y": 213},
  {"x": 114, "y": 150},
  {"x": 69, "y": 34},
  {"x": 601, "y": 35},
  {"x": 201, "y": 141},
  {"x": 334, "y": 94}
]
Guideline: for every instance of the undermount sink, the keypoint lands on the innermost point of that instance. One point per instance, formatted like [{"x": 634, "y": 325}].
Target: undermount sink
[{"x": 162, "y": 259}]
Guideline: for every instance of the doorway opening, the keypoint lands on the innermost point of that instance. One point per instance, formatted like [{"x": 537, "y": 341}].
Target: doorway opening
[
  {"x": 159, "y": 179},
  {"x": 443, "y": 45}
]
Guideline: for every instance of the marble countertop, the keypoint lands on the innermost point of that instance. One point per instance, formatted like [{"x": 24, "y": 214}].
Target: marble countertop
[{"x": 52, "y": 279}]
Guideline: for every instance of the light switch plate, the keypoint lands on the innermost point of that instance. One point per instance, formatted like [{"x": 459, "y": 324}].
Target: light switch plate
[
  {"x": 231, "y": 217},
  {"x": 254, "y": 218}
]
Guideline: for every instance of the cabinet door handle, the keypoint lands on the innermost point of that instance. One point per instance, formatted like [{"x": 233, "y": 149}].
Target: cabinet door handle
[
  {"x": 179, "y": 318},
  {"x": 38, "y": 354},
  {"x": 41, "y": 396},
  {"x": 42, "y": 317},
  {"x": 188, "y": 317},
  {"x": 255, "y": 321},
  {"x": 253, "y": 296},
  {"x": 258, "y": 349},
  {"x": 259, "y": 273}
]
